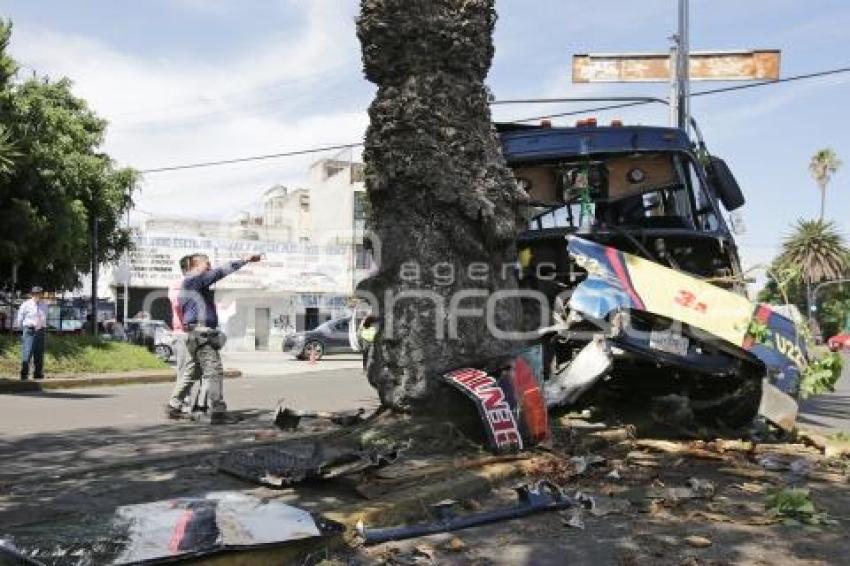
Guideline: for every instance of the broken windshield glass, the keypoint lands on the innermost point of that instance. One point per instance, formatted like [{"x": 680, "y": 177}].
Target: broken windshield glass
[{"x": 646, "y": 190}]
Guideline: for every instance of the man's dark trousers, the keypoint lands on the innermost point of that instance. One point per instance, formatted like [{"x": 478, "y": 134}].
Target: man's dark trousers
[{"x": 32, "y": 347}]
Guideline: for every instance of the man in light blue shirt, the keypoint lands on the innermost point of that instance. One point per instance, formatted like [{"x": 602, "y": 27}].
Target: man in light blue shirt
[{"x": 32, "y": 320}]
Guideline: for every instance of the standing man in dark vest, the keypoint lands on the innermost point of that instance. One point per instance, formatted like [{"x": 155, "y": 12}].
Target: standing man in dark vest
[{"x": 200, "y": 321}]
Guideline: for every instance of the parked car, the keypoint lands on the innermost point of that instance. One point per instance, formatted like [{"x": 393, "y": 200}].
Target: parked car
[
  {"x": 332, "y": 337},
  {"x": 155, "y": 335},
  {"x": 839, "y": 341}
]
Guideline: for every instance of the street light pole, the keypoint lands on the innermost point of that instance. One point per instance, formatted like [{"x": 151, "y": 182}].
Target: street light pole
[
  {"x": 127, "y": 276},
  {"x": 813, "y": 295},
  {"x": 94, "y": 267}
]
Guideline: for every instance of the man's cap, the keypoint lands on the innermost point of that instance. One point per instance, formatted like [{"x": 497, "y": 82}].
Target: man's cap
[{"x": 35, "y": 290}]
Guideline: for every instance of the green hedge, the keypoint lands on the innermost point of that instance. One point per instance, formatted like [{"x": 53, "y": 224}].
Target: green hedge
[{"x": 79, "y": 354}]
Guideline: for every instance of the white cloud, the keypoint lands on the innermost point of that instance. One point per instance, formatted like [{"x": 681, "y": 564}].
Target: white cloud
[
  {"x": 184, "y": 109},
  {"x": 208, "y": 6}
]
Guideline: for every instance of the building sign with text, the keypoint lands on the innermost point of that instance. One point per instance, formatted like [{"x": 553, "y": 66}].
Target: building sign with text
[{"x": 286, "y": 267}]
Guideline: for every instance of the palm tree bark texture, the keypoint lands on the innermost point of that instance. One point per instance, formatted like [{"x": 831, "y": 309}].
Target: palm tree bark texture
[{"x": 444, "y": 208}]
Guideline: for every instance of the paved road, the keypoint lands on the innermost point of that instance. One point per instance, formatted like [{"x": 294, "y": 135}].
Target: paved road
[
  {"x": 277, "y": 364},
  {"x": 831, "y": 412},
  {"x": 59, "y": 431},
  {"x": 332, "y": 384}
]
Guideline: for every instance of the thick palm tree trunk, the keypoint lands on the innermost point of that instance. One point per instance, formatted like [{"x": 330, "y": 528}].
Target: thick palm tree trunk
[{"x": 445, "y": 208}]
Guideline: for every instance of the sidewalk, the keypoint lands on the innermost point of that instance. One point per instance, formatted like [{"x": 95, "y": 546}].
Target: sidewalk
[{"x": 72, "y": 381}]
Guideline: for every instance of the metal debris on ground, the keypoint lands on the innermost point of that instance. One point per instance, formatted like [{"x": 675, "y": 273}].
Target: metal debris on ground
[
  {"x": 603, "y": 506},
  {"x": 287, "y": 418},
  {"x": 583, "y": 463},
  {"x": 800, "y": 467},
  {"x": 167, "y": 530},
  {"x": 702, "y": 488},
  {"x": 543, "y": 496},
  {"x": 286, "y": 464},
  {"x": 694, "y": 489},
  {"x": 574, "y": 519},
  {"x": 771, "y": 463},
  {"x": 589, "y": 366}
]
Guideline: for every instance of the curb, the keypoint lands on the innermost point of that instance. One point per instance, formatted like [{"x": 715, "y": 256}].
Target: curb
[{"x": 95, "y": 380}]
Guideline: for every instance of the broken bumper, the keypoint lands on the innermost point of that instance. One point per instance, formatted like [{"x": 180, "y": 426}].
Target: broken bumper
[{"x": 652, "y": 315}]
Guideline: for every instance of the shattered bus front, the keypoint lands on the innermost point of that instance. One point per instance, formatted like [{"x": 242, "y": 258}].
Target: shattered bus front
[
  {"x": 646, "y": 302},
  {"x": 686, "y": 345}
]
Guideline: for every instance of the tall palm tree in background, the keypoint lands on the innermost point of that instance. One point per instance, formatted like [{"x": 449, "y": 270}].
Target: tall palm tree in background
[
  {"x": 817, "y": 249},
  {"x": 823, "y": 165}
]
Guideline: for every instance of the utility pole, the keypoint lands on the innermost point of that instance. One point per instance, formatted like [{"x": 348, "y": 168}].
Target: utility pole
[
  {"x": 94, "y": 275},
  {"x": 673, "y": 97},
  {"x": 683, "y": 58}
]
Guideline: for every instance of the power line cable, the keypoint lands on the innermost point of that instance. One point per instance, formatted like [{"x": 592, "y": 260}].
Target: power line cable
[
  {"x": 252, "y": 158},
  {"x": 641, "y": 101},
  {"x": 654, "y": 100}
]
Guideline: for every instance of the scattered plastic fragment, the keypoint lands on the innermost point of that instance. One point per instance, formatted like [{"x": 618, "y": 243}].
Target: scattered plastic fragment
[{"x": 167, "y": 530}]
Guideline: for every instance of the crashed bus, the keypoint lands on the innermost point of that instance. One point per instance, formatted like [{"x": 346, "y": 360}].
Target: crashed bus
[{"x": 629, "y": 245}]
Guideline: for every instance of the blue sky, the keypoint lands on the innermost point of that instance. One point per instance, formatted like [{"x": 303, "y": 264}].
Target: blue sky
[{"x": 197, "y": 80}]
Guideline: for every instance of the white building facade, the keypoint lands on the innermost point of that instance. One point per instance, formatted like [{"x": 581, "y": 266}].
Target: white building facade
[{"x": 310, "y": 239}]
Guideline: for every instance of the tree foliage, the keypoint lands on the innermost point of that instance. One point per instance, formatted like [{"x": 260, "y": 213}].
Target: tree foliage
[
  {"x": 57, "y": 181},
  {"x": 818, "y": 249},
  {"x": 814, "y": 253},
  {"x": 821, "y": 375}
]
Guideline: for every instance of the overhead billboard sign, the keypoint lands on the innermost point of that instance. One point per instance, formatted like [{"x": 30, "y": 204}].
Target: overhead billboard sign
[{"x": 757, "y": 64}]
